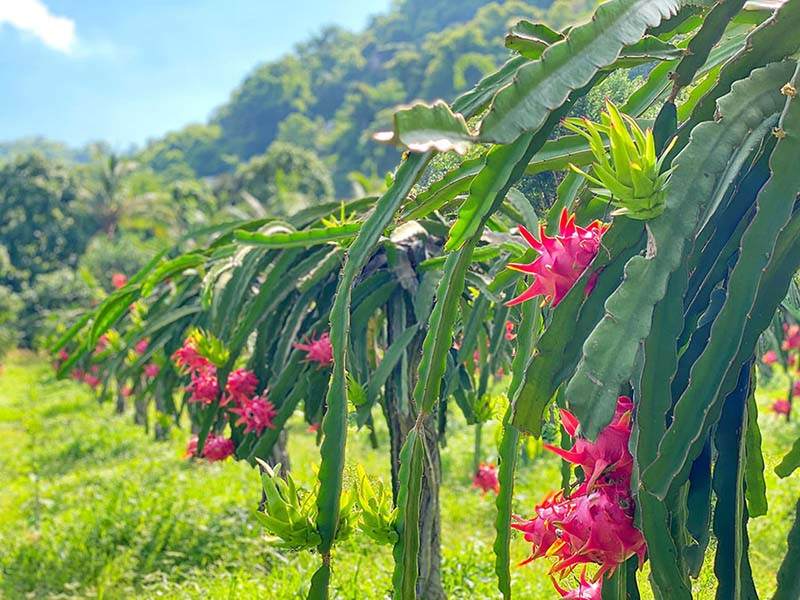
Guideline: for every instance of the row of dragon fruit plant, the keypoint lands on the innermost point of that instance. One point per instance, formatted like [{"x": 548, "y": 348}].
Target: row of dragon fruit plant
[{"x": 635, "y": 309}]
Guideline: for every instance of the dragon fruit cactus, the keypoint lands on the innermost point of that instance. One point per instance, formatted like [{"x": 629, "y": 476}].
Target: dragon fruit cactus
[
  {"x": 485, "y": 478},
  {"x": 594, "y": 525},
  {"x": 318, "y": 350},
  {"x": 562, "y": 259}
]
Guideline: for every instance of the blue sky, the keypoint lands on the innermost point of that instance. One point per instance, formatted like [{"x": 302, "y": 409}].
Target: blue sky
[{"x": 126, "y": 71}]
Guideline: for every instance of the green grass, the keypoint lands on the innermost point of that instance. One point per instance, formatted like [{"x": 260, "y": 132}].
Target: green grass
[{"x": 92, "y": 507}]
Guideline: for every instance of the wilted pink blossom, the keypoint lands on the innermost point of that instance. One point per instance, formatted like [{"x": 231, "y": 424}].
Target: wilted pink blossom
[{"x": 510, "y": 335}]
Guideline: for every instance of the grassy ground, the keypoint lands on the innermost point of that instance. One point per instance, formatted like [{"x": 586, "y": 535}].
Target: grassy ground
[{"x": 90, "y": 507}]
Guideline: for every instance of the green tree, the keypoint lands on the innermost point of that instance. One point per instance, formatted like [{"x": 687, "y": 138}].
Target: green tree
[
  {"x": 41, "y": 228},
  {"x": 282, "y": 180}
]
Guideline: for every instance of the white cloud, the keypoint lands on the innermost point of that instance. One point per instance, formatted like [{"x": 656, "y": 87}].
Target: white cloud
[{"x": 33, "y": 17}]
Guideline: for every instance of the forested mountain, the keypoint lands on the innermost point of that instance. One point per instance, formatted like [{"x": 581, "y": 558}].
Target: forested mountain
[
  {"x": 297, "y": 131},
  {"x": 338, "y": 85}
]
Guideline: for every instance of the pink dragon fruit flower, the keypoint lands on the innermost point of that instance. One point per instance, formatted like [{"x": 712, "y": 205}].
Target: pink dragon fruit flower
[
  {"x": 126, "y": 391},
  {"x": 191, "y": 447},
  {"x": 217, "y": 448},
  {"x": 782, "y": 407},
  {"x": 541, "y": 531},
  {"x": 151, "y": 370},
  {"x": 241, "y": 385},
  {"x": 600, "y": 530},
  {"x": 119, "y": 280},
  {"x": 562, "y": 259},
  {"x": 256, "y": 415},
  {"x": 313, "y": 428},
  {"x": 318, "y": 350},
  {"x": 608, "y": 452},
  {"x": 586, "y": 590},
  {"x": 91, "y": 380},
  {"x": 510, "y": 335},
  {"x": 770, "y": 357},
  {"x": 141, "y": 346},
  {"x": 594, "y": 525},
  {"x": 102, "y": 344},
  {"x": 188, "y": 359},
  {"x": 485, "y": 478},
  {"x": 63, "y": 355},
  {"x": 791, "y": 340},
  {"x": 203, "y": 387}
]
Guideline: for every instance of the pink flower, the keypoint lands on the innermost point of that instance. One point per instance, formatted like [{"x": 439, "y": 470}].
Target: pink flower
[
  {"x": 119, "y": 280},
  {"x": 217, "y": 448},
  {"x": 141, "y": 346},
  {"x": 151, "y": 370},
  {"x": 485, "y": 478},
  {"x": 126, "y": 391},
  {"x": 203, "y": 387},
  {"x": 595, "y": 524},
  {"x": 586, "y": 590},
  {"x": 102, "y": 344},
  {"x": 241, "y": 385},
  {"x": 91, "y": 380},
  {"x": 796, "y": 388},
  {"x": 781, "y": 407},
  {"x": 256, "y": 415},
  {"x": 562, "y": 259},
  {"x": 77, "y": 374},
  {"x": 792, "y": 339},
  {"x": 187, "y": 358},
  {"x": 313, "y": 428},
  {"x": 191, "y": 447},
  {"x": 770, "y": 357},
  {"x": 63, "y": 355},
  {"x": 600, "y": 530},
  {"x": 510, "y": 335},
  {"x": 541, "y": 531},
  {"x": 318, "y": 350},
  {"x": 608, "y": 452}
]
